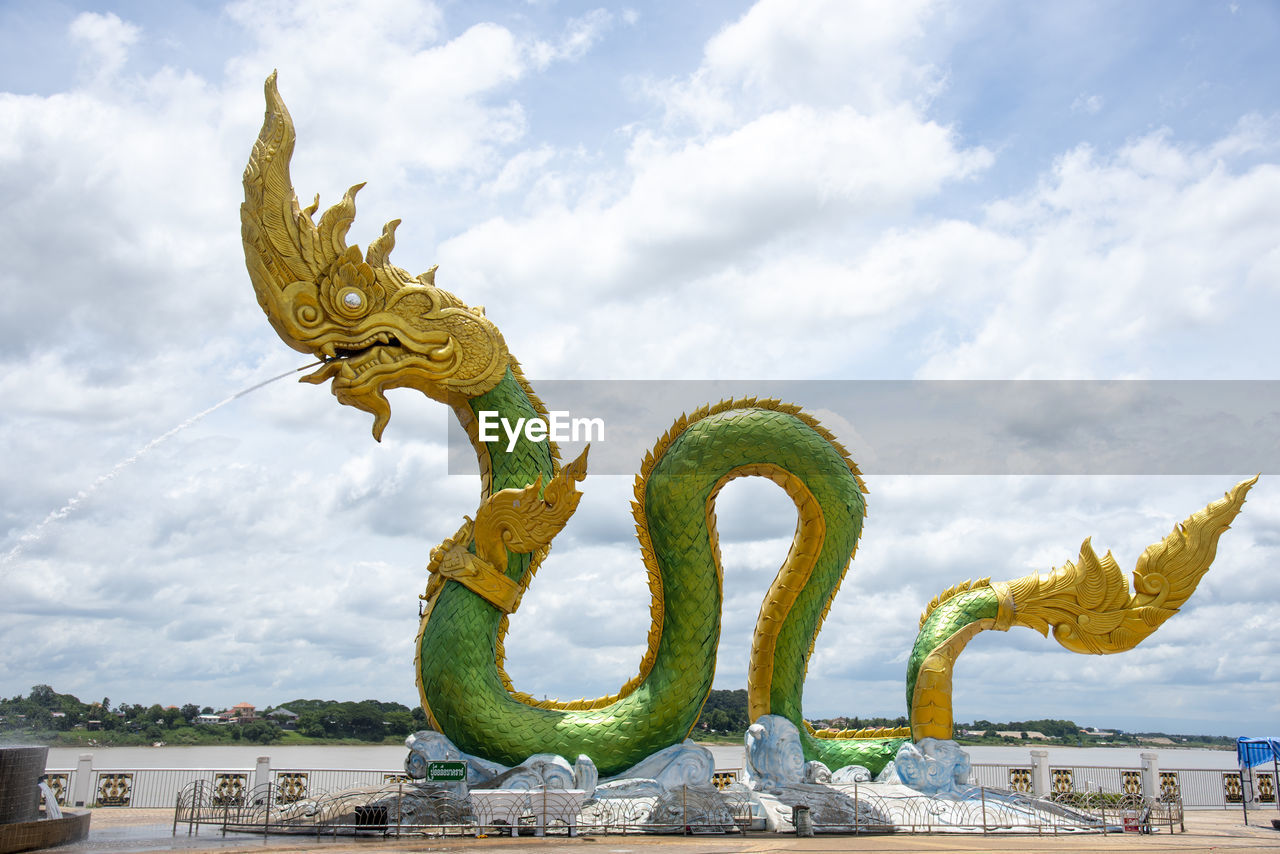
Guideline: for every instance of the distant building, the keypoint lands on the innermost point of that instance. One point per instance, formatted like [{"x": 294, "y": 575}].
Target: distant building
[
  {"x": 285, "y": 718},
  {"x": 1008, "y": 733},
  {"x": 243, "y": 713}
]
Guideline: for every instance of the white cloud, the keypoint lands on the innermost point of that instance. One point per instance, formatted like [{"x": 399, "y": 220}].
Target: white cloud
[
  {"x": 1089, "y": 104},
  {"x": 521, "y": 169},
  {"x": 691, "y": 210},
  {"x": 107, "y": 40},
  {"x": 579, "y": 36},
  {"x": 1150, "y": 262},
  {"x": 859, "y": 55}
]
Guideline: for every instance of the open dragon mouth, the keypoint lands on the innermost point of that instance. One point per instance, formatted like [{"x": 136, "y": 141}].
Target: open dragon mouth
[
  {"x": 354, "y": 350},
  {"x": 349, "y": 360},
  {"x": 362, "y": 369}
]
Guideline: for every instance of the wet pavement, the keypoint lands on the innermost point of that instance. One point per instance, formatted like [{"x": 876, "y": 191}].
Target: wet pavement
[{"x": 129, "y": 830}]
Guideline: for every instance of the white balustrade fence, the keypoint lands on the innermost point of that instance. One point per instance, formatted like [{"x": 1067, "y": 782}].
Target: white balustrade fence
[
  {"x": 1198, "y": 788},
  {"x": 86, "y": 785}
]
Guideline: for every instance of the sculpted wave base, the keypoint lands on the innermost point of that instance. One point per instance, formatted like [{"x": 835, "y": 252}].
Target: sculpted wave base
[{"x": 930, "y": 777}]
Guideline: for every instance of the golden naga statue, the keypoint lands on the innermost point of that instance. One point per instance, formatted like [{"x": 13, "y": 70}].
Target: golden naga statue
[{"x": 377, "y": 327}]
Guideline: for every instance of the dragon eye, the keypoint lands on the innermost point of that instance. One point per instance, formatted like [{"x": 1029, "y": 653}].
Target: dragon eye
[{"x": 352, "y": 300}]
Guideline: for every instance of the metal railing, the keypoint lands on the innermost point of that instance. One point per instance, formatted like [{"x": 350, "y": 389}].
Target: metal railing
[
  {"x": 989, "y": 810},
  {"x": 297, "y": 782},
  {"x": 1091, "y": 778},
  {"x": 406, "y": 809},
  {"x": 155, "y": 787},
  {"x": 1131, "y": 812},
  {"x": 1189, "y": 788},
  {"x": 1193, "y": 788},
  {"x": 1201, "y": 788},
  {"x": 1001, "y": 776}
]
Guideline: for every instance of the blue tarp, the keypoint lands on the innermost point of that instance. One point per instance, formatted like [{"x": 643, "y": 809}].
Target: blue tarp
[{"x": 1256, "y": 751}]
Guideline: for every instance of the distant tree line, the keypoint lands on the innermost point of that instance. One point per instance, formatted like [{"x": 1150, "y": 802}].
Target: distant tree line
[
  {"x": 368, "y": 720},
  {"x": 724, "y": 712},
  {"x": 856, "y": 723},
  {"x": 45, "y": 715},
  {"x": 1051, "y": 728},
  {"x": 1068, "y": 732}
]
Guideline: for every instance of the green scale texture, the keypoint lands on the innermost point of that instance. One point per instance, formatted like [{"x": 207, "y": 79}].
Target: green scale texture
[
  {"x": 944, "y": 621},
  {"x": 459, "y": 677}
]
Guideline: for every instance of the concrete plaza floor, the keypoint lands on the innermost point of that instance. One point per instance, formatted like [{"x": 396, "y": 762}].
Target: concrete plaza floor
[{"x": 137, "y": 830}]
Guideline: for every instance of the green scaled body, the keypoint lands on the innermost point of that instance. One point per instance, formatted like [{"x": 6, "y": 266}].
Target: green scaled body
[{"x": 462, "y": 686}]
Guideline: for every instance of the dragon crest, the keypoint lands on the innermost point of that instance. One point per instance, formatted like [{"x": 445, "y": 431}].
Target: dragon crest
[{"x": 374, "y": 325}]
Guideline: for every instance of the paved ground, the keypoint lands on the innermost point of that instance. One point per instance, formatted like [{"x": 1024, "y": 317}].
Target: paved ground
[{"x": 136, "y": 830}]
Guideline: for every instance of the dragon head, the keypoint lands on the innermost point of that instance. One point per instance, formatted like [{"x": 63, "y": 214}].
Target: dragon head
[{"x": 374, "y": 325}]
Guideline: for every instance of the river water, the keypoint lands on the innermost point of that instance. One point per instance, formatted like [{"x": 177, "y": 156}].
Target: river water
[{"x": 391, "y": 757}]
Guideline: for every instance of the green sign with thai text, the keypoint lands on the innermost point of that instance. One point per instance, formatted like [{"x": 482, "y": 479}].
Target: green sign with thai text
[{"x": 446, "y": 771}]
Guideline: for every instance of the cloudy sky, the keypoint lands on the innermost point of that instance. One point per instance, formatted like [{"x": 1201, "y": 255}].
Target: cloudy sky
[{"x": 774, "y": 192}]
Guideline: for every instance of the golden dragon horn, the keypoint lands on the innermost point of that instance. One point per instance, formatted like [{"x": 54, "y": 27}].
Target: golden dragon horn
[{"x": 282, "y": 244}]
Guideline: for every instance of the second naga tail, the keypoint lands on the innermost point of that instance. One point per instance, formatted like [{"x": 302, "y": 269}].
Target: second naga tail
[{"x": 1087, "y": 604}]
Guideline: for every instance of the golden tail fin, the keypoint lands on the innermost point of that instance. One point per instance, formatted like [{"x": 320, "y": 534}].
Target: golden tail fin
[{"x": 1088, "y": 604}]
